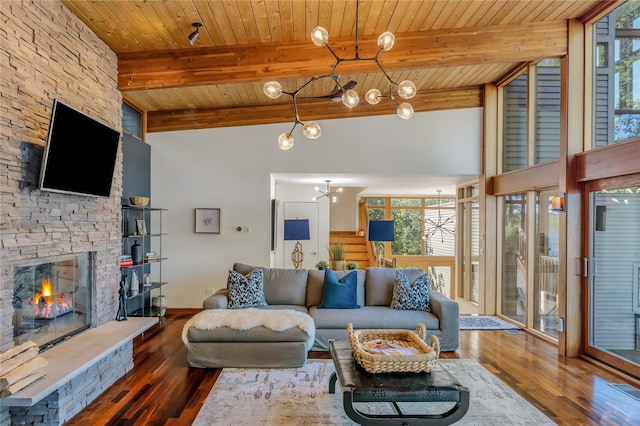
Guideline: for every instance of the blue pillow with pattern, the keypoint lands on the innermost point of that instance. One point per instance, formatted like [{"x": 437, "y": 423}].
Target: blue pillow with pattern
[
  {"x": 246, "y": 291},
  {"x": 411, "y": 295},
  {"x": 339, "y": 293}
]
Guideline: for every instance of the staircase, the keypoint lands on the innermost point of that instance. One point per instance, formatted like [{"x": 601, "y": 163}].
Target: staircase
[{"x": 356, "y": 247}]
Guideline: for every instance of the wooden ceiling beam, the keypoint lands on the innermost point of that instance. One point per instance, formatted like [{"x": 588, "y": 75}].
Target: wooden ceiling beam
[
  {"x": 427, "y": 49},
  {"x": 163, "y": 121}
]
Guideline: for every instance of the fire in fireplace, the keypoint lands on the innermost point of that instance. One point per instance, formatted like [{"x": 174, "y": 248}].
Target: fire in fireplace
[
  {"x": 52, "y": 298},
  {"x": 46, "y": 305}
]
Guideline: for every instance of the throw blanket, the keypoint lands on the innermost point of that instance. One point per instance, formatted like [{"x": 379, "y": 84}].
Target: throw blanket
[{"x": 246, "y": 319}]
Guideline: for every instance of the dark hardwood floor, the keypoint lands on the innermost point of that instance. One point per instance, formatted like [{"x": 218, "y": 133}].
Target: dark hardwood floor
[{"x": 162, "y": 390}]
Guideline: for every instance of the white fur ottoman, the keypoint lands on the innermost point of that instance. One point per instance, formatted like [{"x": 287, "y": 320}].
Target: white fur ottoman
[{"x": 251, "y": 337}]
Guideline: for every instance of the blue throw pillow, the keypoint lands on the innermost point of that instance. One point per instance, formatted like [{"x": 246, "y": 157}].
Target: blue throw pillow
[
  {"x": 413, "y": 295},
  {"x": 339, "y": 293}
]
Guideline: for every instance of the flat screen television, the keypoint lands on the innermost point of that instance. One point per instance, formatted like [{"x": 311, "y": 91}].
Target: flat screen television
[{"x": 79, "y": 155}]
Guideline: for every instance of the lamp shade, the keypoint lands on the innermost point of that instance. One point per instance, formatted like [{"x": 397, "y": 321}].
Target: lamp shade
[
  {"x": 381, "y": 230},
  {"x": 296, "y": 229}
]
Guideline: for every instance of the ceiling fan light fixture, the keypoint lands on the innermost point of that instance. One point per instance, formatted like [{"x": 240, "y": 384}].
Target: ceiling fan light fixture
[
  {"x": 373, "y": 96},
  {"x": 285, "y": 141},
  {"x": 311, "y": 130},
  {"x": 345, "y": 93},
  {"x": 195, "y": 34}
]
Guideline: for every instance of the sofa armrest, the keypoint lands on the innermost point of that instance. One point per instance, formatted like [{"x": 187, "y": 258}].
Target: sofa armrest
[
  {"x": 448, "y": 313},
  {"x": 218, "y": 300}
]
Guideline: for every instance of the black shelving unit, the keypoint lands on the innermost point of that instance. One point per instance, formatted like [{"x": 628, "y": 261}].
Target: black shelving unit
[{"x": 140, "y": 304}]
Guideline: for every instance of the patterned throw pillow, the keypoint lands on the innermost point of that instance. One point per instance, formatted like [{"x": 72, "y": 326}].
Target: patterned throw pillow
[
  {"x": 413, "y": 295},
  {"x": 246, "y": 291}
]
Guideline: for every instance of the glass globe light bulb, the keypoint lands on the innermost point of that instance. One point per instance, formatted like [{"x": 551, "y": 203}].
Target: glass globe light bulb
[
  {"x": 311, "y": 130},
  {"x": 406, "y": 89},
  {"x": 319, "y": 36},
  {"x": 350, "y": 98},
  {"x": 386, "y": 40},
  {"x": 285, "y": 141},
  {"x": 405, "y": 111},
  {"x": 373, "y": 96},
  {"x": 272, "y": 89}
]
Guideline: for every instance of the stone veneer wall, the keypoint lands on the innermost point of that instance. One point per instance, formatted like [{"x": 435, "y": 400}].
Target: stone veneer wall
[
  {"x": 47, "y": 53},
  {"x": 67, "y": 401}
]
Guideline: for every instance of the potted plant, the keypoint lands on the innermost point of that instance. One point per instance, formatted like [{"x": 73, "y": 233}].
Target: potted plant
[
  {"x": 337, "y": 253},
  {"x": 322, "y": 265},
  {"x": 352, "y": 265}
]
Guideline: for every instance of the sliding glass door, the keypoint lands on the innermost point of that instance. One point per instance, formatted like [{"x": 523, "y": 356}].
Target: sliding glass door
[{"x": 613, "y": 276}]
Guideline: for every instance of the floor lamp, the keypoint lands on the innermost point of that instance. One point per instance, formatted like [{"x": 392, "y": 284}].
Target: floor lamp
[
  {"x": 380, "y": 231},
  {"x": 296, "y": 230}
]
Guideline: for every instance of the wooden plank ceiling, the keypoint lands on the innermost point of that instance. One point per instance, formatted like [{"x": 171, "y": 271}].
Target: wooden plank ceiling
[{"x": 449, "y": 49}]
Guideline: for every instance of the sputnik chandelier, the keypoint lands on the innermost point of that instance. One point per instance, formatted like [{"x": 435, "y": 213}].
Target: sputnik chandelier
[
  {"x": 442, "y": 226},
  {"x": 320, "y": 37},
  {"x": 328, "y": 193}
]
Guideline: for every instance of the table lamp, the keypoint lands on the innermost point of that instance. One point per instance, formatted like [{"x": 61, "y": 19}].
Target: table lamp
[
  {"x": 380, "y": 231},
  {"x": 296, "y": 230}
]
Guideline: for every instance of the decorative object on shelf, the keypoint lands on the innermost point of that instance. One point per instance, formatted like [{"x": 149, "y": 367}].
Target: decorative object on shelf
[
  {"x": 141, "y": 228},
  {"x": 135, "y": 283},
  {"x": 208, "y": 221},
  {"x": 431, "y": 228},
  {"x": 327, "y": 193},
  {"x": 136, "y": 253},
  {"x": 349, "y": 97},
  {"x": 122, "y": 300},
  {"x": 296, "y": 230},
  {"x": 379, "y": 232},
  {"x": 557, "y": 203},
  {"x": 147, "y": 280},
  {"x": 159, "y": 303},
  {"x": 139, "y": 201},
  {"x": 194, "y": 35},
  {"x": 337, "y": 254}
]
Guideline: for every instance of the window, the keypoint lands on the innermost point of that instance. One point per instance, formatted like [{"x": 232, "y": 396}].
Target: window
[
  {"x": 547, "y": 111},
  {"x": 514, "y": 132},
  {"x": 514, "y": 257},
  {"x": 616, "y": 111}
]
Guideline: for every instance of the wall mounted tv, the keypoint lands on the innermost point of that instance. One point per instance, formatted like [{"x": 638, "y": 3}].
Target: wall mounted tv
[{"x": 79, "y": 155}]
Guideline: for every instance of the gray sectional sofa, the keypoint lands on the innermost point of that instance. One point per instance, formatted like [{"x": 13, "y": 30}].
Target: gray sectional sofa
[{"x": 301, "y": 289}]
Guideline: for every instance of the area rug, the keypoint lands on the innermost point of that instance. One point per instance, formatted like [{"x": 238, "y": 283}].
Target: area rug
[
  {"x": 300, "y": 396},
  {"x": 476, "y": 322}
]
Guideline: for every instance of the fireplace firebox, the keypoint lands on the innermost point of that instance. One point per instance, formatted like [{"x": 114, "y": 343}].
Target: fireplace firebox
[{"x": 52, "y": 298}]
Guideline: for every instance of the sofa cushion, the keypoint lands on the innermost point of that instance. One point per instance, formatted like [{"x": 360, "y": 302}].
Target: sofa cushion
[
  {"x": 281, "y": 286},
  {"x": 339, "y": 293},
  {"x": 372, "y": 317},
  {"x": 378, "y": 283},
  {"x": 247, "y": 290},
  {"x": 315, "y": 283},
  {"x": 411, "y": 294}
]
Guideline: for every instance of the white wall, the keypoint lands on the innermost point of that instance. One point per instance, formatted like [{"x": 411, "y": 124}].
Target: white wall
[
  {"x": 231, "y": 168},
  {"x": 344, "y": 212}
]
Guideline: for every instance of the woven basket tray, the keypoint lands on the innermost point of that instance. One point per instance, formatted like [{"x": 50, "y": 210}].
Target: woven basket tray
[{"x": 424, "y": 361}]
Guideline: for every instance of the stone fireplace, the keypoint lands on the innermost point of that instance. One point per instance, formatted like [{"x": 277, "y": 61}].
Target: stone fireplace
[{"x": 52, "y": 298}]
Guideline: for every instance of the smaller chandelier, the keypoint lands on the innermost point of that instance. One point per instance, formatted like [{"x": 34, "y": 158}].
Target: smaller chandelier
[
  {"x": 327, "y": 193},
  {"x": 350, "y": 98}
]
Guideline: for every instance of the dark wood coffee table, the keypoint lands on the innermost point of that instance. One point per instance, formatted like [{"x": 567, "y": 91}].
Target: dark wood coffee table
[{"x": 359, "y": 386}]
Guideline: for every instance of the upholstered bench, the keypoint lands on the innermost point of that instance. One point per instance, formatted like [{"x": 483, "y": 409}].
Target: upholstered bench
[{"x": 251, "y": 337}]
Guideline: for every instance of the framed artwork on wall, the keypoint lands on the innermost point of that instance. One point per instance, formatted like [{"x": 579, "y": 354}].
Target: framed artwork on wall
[{"x": 208, "y": 220}]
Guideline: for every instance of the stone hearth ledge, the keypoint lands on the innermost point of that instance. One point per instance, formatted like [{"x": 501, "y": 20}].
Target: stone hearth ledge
[{"x": 71, "y": 357}]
